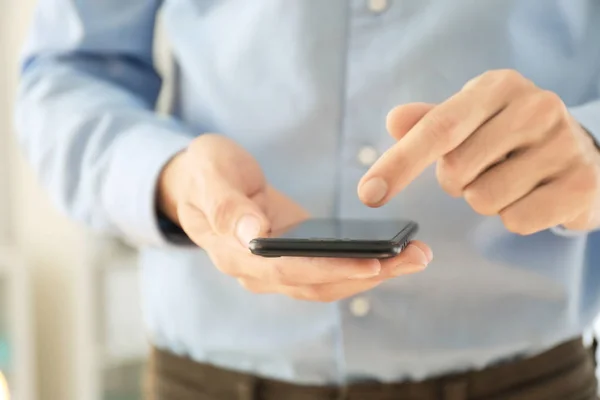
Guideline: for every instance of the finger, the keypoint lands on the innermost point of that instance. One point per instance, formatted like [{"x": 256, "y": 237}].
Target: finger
[
  {"x": 557, "y": 203},
  {"x": 331, "y": 292},
  {"x": 228, "y": 210},
  {"x": 436, "y": 134},
  {"x": 517, "y": 176},
  {"x": 402, "y": 118},
  {"x": 257, "y": 286},
  {"x": 587, "y": 184},
  {"x": 315, "y": 270},
  {"x": 413, "y": 259},
  {"x": 507, "y": 132},
  {"x": 234, "y": 261},
  {"x": 317, "y": 293}
]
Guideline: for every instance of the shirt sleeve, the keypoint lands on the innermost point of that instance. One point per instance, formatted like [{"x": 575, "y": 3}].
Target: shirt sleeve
[{"x": 85, "y": 114}]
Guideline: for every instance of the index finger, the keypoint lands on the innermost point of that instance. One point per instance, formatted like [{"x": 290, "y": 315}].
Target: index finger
[{"x": 440, "y": 131}]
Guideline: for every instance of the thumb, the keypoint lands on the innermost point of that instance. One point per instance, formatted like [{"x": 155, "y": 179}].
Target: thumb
[
  {"x": 230, "y": 212},
  {"x": 402, "y": 118}
]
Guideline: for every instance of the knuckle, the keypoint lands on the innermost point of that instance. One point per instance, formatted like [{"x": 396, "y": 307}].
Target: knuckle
[
  {"x": 451, "y": 166},
  {"x": 508, "y": 77},
  {"x": 441, "y": 129},
  {"x": 542, "y": 113},
  {"x": 481, "y": 200},
  {"x": 499, "y": 82},
  {"x": 495, "y": 77},
  {"x": 447, "y": 176},
  {"x": 501, "y": 78},
  {"x": 565, "y": 144},
  {"x": 550, "y": 103},
  {"x": 586, "y": 180}
]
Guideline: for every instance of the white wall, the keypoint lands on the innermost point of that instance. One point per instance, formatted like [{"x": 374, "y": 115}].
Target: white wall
[
  {"x": 5, "y": 78},
  {"x": 51, "y": 242},
  {"x": 55, "y": 247}
]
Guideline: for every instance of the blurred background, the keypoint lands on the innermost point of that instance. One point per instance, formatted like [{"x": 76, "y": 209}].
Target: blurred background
[{"x": 70, "y": 322}]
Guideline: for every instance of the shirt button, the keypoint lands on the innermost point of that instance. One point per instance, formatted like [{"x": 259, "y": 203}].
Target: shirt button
[
  {"x": 378, "y": 6},
  {"x": 367, "y": 155},
  {"x": 359, "y": 306}
]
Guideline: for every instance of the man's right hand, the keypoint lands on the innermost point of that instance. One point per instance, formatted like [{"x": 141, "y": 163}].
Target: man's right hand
[{"x": 217, "y": 193}]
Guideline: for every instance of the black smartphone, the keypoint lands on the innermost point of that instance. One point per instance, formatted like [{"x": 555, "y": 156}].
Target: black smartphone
[{"x": 344, "y": 238}]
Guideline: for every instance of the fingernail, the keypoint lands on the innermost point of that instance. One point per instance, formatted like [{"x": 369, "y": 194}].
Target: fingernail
[
  {"x": 373, "y": 191},
  {"x": 428, "y": 254},
  {"x": 403, "y": 269},
  {"x": 247, "y": 229},
  {"x": 369, "y": 273}
]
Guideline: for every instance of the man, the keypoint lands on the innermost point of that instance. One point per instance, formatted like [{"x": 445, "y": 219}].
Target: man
[{"x": 489, "y": 145}]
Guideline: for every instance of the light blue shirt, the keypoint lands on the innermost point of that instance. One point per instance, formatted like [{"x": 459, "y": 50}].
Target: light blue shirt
[{"x": 305, "y": 86}]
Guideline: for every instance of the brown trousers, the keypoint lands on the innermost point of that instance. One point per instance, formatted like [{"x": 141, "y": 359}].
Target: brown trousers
[{"x": 566, "y": 372}]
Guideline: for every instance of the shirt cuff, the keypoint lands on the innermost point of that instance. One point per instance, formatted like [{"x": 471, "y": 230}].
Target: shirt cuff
[{"x": 129, "y": 192}]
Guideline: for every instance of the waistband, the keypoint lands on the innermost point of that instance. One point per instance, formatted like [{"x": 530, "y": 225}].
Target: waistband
[{"x": 566, "y": 372}]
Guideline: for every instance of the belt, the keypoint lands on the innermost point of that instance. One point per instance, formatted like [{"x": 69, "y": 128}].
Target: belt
[{"x": 566, "y": 372}]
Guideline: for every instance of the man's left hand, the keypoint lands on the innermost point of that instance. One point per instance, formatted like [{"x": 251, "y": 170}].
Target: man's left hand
[{"x": 505, "y": 145}]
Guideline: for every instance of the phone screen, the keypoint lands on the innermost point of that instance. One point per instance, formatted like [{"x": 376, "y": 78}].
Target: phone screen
[{"x": 344, "y": 229}]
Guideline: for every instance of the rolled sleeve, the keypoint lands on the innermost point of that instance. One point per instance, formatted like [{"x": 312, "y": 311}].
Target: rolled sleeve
[
  {"x": 129, "y": 192},
  {"x": 85, "y": 114}
]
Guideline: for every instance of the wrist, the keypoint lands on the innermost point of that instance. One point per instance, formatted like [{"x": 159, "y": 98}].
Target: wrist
[{"x": 169, "y": 187}]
